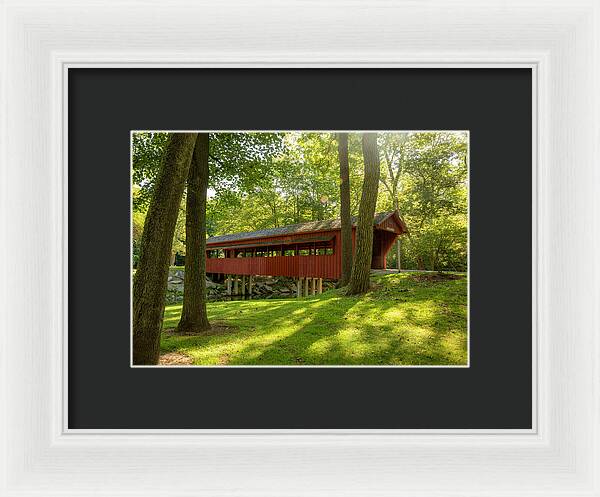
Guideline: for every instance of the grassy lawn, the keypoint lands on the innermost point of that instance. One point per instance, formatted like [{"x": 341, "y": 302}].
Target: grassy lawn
[{"x": 408, "y": 318}]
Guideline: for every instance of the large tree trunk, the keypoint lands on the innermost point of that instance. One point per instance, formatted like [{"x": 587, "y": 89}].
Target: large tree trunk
[
  {"x": 193, "y": 315},
  {"x": 150, "y": 281},
  {"x": 361, "y": 270},
  {"x": 346, "y": 219},
  {"x": 398, "y": 241}
]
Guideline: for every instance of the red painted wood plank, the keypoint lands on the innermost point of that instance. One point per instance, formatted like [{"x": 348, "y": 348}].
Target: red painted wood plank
[{"x": 312, "y": 266}]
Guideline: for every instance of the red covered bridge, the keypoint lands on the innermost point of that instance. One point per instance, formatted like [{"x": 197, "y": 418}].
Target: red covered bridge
[{"x": 305, "y": 250}]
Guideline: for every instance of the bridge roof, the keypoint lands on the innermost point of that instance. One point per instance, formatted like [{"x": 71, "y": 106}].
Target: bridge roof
[{"x": 301, "y": 228}]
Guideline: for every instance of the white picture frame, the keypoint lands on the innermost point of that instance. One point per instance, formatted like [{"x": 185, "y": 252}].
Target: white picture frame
[{"x": 558, "y": 39}]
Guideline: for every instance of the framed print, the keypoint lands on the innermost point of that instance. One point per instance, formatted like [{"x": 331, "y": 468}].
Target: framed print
[{"x": 308, "y": 250}]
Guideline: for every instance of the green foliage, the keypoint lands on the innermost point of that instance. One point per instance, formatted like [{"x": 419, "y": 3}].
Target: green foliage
[
  {"x": 436, "y": 166},
  {"x": 138, "y": 219},
  {"x": 302, "y": 185},
  {"x": 432, "y": 197},
  {"x": 407, "y": 319},
  {"x": 147, "y": 153},
  {"x": 265, "y": 180},
  {"x": 242, "y": 161},
  {"x": 440, "y": 245},
  {"x": 237, "y": 161}
]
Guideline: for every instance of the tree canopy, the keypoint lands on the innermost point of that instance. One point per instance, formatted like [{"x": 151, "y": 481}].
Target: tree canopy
[{"x": 265, "y": 180}]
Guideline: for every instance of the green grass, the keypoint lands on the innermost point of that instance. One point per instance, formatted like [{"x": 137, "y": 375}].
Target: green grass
[{"x": 404, "y": 320}]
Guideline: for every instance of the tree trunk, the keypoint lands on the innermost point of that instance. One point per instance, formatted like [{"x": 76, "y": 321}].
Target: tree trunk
[
  {"x": 193, "y": 314},
  {"x": 361, "y": 270},
  {"x": 346, "y": 219},
  {"x": 398, "y": 241},
  {"x": 150, "y": 281}
]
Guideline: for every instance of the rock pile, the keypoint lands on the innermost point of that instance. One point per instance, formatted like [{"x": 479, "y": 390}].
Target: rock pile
[
  {"x": 263, "y": 287},
  {"x": 175, "y": 281}
]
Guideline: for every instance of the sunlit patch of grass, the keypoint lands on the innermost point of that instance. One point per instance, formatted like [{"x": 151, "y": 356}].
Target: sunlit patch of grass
[{"x": 403, "y": 320}]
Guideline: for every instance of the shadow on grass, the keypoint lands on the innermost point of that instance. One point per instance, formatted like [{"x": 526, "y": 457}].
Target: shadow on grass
[
  {"x": 401, "y": 322},
  {"x": 333, "y": 340}
]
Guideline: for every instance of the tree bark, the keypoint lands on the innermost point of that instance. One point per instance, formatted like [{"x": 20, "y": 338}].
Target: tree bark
[
  {"x": 346, "y": 219},
  {"x": 361, "y": 270},
  {"x": 193, "y": 315},
  {"x": 398, "y": 241},
  {"x": 150, "y": 281}
]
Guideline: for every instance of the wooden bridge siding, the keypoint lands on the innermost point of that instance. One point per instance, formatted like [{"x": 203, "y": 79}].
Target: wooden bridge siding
[
  {"x": 386, "y": 233},
  {"x": 313, "y": 266}
]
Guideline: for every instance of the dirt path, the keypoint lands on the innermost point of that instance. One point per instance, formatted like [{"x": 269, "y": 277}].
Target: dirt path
[{"x": 175, "y": 359}]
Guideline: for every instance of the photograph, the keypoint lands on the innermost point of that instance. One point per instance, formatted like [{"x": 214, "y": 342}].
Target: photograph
[{"x": 335, "y": 248}]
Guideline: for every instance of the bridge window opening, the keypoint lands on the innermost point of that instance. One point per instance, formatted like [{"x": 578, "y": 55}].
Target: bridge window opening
[
  {"x": 303, "y": 249},
  {"x": 215, "y": 254}
]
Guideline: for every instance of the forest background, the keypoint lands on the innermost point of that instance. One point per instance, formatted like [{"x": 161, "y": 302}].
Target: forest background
[{"x": 265, "y": 180}]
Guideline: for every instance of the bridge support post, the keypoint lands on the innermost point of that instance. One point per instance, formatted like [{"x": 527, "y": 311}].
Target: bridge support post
[
  {"x": 320, "y": 286},
  {"x": 243, "y": 285},
  {"x": 306, "y": 287},
  {"x": 228, "y": 284},
  {"x": 235, "y": 285},
  {"x": 250, "y": 283},
  {"x": 313, "y": 286}
]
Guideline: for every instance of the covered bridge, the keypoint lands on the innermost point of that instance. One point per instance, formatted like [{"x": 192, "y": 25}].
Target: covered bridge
[{"x": 305, "y": 250}]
